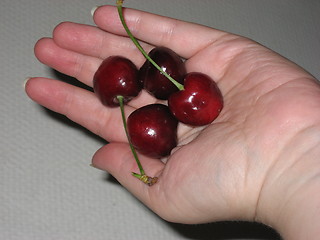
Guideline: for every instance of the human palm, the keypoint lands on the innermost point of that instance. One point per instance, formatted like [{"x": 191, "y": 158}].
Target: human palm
[{"x": 218, "y": 172}]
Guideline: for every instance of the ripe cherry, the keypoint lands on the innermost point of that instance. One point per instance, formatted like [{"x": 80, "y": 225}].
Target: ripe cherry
[
  {"x": 154, "y": 81},
  {"x": 199, "y": 103},
  {"x": 116, "y": 76},
  {"x": 152, "y": 130}
]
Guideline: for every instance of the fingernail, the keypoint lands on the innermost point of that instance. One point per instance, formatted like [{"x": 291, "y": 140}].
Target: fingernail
[
  {"x": 91, "y": 165},
  {"x": 93, "y": 10},
  {"x": 25, "y": 82}
]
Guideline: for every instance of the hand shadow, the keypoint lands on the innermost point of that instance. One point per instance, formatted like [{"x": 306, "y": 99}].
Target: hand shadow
[{"x": 235, "y": 230}]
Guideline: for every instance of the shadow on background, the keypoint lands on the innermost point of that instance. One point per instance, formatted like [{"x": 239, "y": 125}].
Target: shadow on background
[
  {"x": 226, "y": 230},
  {"x": 71, "y": 80}
]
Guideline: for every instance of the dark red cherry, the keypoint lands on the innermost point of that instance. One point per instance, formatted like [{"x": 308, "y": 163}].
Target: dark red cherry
[
  {"x": 199, "y": 103},
  {"x": 116, "y": 76},
  {"x": 153, "y": 130},
  {"x": 154, "y": 81}
]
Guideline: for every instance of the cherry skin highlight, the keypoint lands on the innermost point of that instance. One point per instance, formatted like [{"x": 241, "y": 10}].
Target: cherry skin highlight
[
  {"x": 199, "y": 103},
  {"x": 154, "y": 81},
  {"x": 152, "y": 130},
  {"x": 116, "y": 76}
]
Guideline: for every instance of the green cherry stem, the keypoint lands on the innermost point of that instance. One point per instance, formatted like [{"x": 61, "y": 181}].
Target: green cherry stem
[
  {"x": 142, "y": 176},
  {"x": 134, "y": 40},
  {"x": 120, "y": 99}
]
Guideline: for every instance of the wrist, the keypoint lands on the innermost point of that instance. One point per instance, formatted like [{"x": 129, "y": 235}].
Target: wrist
[
  {"x": 290, "y": 198},
  {"x": 296, "y": 217}
]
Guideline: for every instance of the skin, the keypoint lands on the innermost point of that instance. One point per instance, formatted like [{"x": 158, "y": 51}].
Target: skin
[{"x": 258, "y": 161}]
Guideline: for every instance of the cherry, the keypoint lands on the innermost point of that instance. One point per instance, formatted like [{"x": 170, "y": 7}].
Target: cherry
[
  {"x": 152, "y": 130},
  {"x": 115, "y": 83},
  {"x": 199, "y": 103},
  {"x": 116, "y": 76},
  {"x": 153, "y": 80}
]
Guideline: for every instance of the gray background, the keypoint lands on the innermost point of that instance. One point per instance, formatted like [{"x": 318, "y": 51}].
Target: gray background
[{"x": 47, "y": 189}]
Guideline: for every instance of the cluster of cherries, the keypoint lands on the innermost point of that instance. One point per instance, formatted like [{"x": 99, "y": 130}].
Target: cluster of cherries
[{"x": 193, "y": 98}]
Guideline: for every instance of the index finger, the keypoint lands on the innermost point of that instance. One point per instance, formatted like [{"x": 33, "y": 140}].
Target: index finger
[{"x": 183, "y": 37}]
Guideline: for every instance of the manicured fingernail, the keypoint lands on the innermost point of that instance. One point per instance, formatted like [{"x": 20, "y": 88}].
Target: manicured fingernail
[
  {"x": 25, "y": 82},
  {"x": 93, "y": 10}
]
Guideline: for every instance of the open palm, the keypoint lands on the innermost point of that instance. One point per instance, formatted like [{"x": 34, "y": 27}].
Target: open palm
[{"x": 227, "y": 170}]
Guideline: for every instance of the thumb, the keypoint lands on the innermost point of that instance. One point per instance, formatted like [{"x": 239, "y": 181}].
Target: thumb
[{"x": 117, "y": 159}]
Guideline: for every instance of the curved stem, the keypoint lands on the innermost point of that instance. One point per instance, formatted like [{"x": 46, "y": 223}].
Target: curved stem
[
  {"x": 134, "y": 40},
  {"x": 142, "y": 173},
  {"x": 142, "y": 176}
]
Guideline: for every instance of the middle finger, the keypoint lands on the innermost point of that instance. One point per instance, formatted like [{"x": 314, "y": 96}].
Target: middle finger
[{"x": 93, "y": 41}]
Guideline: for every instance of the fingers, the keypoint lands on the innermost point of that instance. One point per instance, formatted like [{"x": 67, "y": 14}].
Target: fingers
[
  {"x": 66, "y": 61},
  {"x": 79, "y": 105},
  {"x": 184, "y": 38},
  {"x": 77, "y": 50},
  {"x": 92, "y": 41},
  {"x": 83, "y": 107}
]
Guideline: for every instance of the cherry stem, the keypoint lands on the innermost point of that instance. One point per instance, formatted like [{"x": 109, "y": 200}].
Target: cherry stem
[
  {"x": 142, "y": 176},
  {"x": 134, "y": 40},
  {"x": 120, "y": 99}
]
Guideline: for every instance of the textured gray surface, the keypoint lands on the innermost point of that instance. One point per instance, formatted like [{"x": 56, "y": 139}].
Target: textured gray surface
[{"x": 47, "y": 189}]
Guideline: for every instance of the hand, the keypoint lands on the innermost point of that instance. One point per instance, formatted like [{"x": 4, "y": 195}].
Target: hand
[{"x": 259, "y": 159}]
